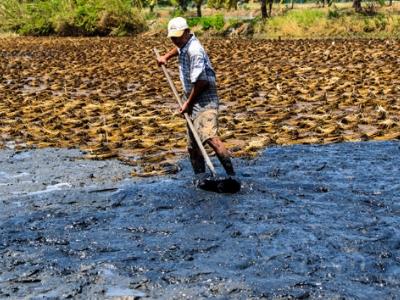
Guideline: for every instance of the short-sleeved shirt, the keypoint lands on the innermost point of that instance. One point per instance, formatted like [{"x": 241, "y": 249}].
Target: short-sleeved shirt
[{"x": 194, "y": 64}]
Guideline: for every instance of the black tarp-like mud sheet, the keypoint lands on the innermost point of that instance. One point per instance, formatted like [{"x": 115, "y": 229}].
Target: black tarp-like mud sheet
[{"x": 310, "y": 222}]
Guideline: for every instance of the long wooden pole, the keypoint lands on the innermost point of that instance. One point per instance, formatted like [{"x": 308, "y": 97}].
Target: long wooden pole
[{"x": 188, "y": 120}]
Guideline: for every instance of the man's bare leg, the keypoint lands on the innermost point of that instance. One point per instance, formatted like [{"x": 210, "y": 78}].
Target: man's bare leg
[
  {"x": 222, "y": 154},
  {"x": 197, "y": 160}
]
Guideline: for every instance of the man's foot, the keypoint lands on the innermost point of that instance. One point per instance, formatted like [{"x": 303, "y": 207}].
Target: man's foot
[
  {"x": 221, "y": 185},
  {"x": 199, "y": 179}
]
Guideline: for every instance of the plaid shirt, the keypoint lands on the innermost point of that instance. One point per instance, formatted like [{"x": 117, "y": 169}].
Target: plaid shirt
[{"x": 194, "y": 65}]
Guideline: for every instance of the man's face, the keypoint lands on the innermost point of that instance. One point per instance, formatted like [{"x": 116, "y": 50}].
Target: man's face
[{"x": 180, "y": 41}]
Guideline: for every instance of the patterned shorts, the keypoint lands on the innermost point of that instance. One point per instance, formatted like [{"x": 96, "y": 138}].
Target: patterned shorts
[{"x": 206, "y": 125}]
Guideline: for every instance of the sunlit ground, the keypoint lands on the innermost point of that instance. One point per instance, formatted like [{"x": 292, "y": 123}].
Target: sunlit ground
[{"x": 108, "y": 96}]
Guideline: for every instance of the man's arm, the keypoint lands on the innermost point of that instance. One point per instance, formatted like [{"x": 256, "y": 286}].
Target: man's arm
[
  {"x": 197, "y": 89},
  {"x": 162, "y": 60}
]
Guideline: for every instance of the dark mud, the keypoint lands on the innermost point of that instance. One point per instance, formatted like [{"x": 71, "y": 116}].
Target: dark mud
[{"x": 310, "y": 222}]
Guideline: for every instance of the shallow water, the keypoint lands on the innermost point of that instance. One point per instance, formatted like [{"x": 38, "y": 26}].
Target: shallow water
[{"x": 310, "y": 222}]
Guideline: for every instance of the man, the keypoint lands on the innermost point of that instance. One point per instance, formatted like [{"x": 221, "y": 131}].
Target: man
[{"x": 199, "y": 85}]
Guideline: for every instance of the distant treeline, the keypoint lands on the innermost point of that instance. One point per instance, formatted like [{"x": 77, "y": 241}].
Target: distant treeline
[
  {"x": 265, "y": 5},
  {"x": 276, "y": 18}
]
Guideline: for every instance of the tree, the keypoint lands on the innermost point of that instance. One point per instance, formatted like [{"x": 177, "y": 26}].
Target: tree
[
  {"x": 231, "y": 4},
  {"x": 198, "y": 6},
  {"x": 218, "y": 4},
  {"x": 264, "y": 13},
  {"x": 152, "y": 4},
  {"x": 270, "y": 2},
  {"x": 357, "y": 5},
  {"x": 183, "y": 4}
]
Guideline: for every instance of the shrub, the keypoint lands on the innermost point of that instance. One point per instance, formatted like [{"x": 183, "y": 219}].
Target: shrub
[
  {"x": 216, "y": 22},
  {"x": 37, "y": 22},
  {"x": 64, "y": 17},
  {"x": 333, "y": 13}
]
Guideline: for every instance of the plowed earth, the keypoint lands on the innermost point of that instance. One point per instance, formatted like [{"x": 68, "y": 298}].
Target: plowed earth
[{"x": 109, "y": 98}]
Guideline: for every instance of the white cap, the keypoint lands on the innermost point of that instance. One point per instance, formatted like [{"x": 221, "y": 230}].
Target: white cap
[{"x": 177, "y": 26}]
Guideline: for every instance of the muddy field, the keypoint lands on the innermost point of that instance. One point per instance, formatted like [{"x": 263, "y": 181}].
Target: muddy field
[
  {"x": 311, "y": 222},
  {"x": 108, "y": 97}
]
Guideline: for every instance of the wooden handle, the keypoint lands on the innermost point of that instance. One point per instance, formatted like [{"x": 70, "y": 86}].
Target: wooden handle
[{"x": 188, "y": 120}]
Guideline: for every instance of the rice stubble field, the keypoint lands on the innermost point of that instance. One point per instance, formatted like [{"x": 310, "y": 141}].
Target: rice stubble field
[{"x": 108, "y": 97}]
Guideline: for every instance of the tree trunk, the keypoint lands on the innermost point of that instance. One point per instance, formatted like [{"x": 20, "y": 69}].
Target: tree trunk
[
  {"x": 183, "y": 5},
  {"x": 198, "y": 6},
  {"x": 264, "y": 14},
  {"x": 390, "y": 2},
  {"x": 270, "y": 8},
  {"x": 357, "y": 5},
  {"x": 292, "y": 5}
]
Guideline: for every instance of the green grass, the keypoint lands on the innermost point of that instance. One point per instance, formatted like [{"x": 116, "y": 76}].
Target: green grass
[
  {"x": 68, "y": 17},
  {"x": 330, "y": 22},
  {"x": 118, "y": 17},
  {"x": 216, "y": 22},
  {"x": 304, "y": 18}
]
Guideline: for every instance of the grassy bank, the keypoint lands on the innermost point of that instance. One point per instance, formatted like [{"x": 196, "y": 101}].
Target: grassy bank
[
  {"x": 69, "y": 18},
  {"x": 303, "y": 21},
  {"x": 117, "y": 18},
  {"x": 335, "y": 21}
]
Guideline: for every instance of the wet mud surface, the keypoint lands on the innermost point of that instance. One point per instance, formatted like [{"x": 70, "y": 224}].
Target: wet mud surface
[{"x": 310, "y": 222}]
